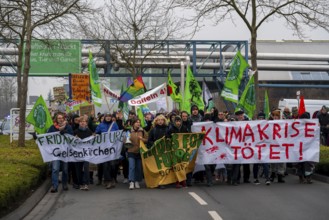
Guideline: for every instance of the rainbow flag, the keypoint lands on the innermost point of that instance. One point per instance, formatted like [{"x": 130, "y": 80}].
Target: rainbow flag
[{"x": 135, "y": 89}]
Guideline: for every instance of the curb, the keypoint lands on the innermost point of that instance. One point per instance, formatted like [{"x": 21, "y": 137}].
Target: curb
[{"x": 29, "y": 203}]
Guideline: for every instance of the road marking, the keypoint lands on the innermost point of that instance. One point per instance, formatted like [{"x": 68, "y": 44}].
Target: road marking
[
  {"x": 198, "y": 198},
  {"x": 215, "y": 215}
]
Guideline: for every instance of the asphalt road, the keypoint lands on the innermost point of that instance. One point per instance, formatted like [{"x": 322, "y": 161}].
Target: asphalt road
[{"x": 290, "y": 200}]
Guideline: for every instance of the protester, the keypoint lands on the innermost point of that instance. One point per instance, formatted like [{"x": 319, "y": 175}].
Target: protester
[
  {"x": 324, "y": 125},
  {"x": 109, "y": 167},
  {"x": 209, "y": 168},
  {"x": 305, "y": 169},
  {"x": 294, "y": 111},
  {"x": 240, "y": 116},
  {"x": 61, "y": 125},
  {"x": 72, "y": 175},
  {"x": 187, "y": 122},
  {"x": 277, "y": 169},
  {"x": 178, "y": 127},
  {"x": 195, "y": 114},
  {"x": 159, "y": 130},
  {"x": 265, "y": 166},
  {"x": 148, "y": 120},
  {"x": 286, "y": 113},
  {"x": 82, "y": 168},
  {"x": 137, "y": 134}
]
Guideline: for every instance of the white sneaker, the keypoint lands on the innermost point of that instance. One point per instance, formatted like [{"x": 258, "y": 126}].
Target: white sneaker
[
  {"x": 125, "y": 181},
  {"x": 137, "y": 185},
  {"x": 131, "y": 185}
]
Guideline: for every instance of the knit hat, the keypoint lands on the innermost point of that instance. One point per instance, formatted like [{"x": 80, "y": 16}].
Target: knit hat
[
  {"x": 239, "y": 111},
  {"x": 178, "y": 118}
]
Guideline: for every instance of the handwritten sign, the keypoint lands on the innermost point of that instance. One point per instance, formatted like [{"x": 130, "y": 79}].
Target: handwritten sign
[
  {"x": 80, "y": 87},
  {"x": 260, "y": 141},
  {"x": 59, "y": 93}
]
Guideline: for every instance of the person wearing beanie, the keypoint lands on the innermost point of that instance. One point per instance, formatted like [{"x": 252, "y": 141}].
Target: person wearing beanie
[
  {"x": 178, "y": 127},
  {"x": 195, "y": 114},
  {"x": 110, "y": 167},
  {"x": 240, "y": 116}
]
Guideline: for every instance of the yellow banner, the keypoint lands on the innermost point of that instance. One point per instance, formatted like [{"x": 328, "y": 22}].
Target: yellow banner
[{"x": 168, "y": 160}]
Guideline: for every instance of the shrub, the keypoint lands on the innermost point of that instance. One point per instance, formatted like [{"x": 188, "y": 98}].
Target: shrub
[{"x": 22, "y": 170}]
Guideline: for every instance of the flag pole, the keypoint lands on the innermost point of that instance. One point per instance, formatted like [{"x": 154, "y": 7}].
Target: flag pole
[{"x": 182, "y": 72}]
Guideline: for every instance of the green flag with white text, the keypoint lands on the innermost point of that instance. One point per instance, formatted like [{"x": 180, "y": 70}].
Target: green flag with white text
[
  {"x": 192, "y": 92},
  {"x": 248, "y": 98},
  {"x": 230, "y": 91},
  {"x": 40, "y": 117},
  {"x": 96, "y": 94}
]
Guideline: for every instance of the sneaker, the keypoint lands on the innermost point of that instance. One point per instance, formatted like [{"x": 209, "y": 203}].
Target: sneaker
[
  {"x": 125, "y": 181},
  {"x": 268, "y": 182},
  {"x": 82, "y": 187},
  {"x": 109, "y": 185},
  {"x": 131, "y": 185},
  {"x": 256, "y": 182},
  {"x": 53, "y": 190},
  {"x": 137, "y": 185},
  {"x": 86, "y": 188}
]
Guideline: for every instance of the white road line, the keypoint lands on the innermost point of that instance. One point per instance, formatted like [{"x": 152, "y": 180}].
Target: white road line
[
  {"x": 198, "y": 198},
  {"x": 214, "y": 215}
]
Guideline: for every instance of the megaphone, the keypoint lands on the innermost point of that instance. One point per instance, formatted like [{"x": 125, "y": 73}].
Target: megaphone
[{"x": 128, "y": 143}]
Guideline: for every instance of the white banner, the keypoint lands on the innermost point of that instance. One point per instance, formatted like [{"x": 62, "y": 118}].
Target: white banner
[
  {"x": 150, "y": 96},
  {"x": 262, "y": 141},
  {"x": 96, "y": 149},
  {"x": 109, "y": 93}
]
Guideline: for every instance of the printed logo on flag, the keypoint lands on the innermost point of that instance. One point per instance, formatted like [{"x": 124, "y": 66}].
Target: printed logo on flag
[{"x": 39, "y": 116}]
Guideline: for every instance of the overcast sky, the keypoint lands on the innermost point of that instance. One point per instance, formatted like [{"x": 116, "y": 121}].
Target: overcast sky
[{"x": 225, "y": 31}]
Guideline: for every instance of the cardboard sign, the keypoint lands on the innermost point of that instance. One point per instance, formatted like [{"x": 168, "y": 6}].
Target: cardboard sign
[
  {"x": 87, "y": 110},
  {"x": 80, "y": 87},
  {"x": 59, "y": 93}
]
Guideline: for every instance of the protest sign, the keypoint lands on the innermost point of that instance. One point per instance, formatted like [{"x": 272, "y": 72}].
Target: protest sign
[
  {"x": 96, "y": 149},
  {"x": 167, "y": 160},
  {"x": 80, "y": 87},
  {"x": 277, "y": 141},
  {"x": 150, "y": 96}
]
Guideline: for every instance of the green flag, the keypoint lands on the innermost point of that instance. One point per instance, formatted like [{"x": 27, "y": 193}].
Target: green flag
[
  {"x": 192, "y": 92},
  {"x": 40, "y": 116},
  {"x": 266, "y": 106},
  {"x": 248, "y": 98},
  {"x": 230, "y": 91},
  {"x": 96, "y": 94},
  {"x": 172, "y": 90},
  {"x": 140, "y": 116}
]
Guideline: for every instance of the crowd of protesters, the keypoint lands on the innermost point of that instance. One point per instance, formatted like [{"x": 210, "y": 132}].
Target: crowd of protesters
[{"x": 81, "y": 174}]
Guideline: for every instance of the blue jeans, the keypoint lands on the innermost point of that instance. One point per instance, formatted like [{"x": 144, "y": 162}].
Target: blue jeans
[
  {"x": 55, "y": 167},
  {"x": 135, "y": 167}
]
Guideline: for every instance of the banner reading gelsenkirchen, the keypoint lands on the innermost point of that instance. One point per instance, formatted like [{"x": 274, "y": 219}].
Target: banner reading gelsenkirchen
[{"x": 96, "y": 149}]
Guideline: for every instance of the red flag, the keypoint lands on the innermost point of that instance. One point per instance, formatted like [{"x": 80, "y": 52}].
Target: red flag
[{"x": 301, "y": 109}]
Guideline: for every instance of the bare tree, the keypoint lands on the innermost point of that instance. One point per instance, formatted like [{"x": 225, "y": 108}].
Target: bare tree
[
  {"x": 25, "y": 19},
  {"x": 131, "y": 23},
  {"x": 254, "y": 13},
  {"x": 7, "y": 95}
]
